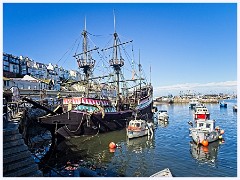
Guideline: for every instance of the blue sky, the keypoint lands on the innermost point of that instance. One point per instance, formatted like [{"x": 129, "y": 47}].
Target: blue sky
[{"x": 188, "y": 45}]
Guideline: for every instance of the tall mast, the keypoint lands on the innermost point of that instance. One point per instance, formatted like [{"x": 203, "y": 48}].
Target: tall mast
[
  {"x": 116, "y": 63},
  {"x": 84, "y": 59},
  {"x": 139, "y": 69}
]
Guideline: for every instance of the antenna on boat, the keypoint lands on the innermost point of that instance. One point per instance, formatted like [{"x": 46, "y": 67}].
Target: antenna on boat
[
  {"x": 85, "y": 24},
  {"x": 150, "y": 74},
  {"x": 114, "y": 21}
]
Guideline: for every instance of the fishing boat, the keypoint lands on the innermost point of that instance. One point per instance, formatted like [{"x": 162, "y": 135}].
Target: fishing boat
[
  {"x": 201, "y": 112},
  {"x": 192, "y": 103},
  {"x": 205, "y": 132},
  {"x": 235, "y": 108},
  {"x": 138, "y": 128},
  {"x": 163, "y": 115},
  {"x": 223, "y": 104},
  {"x": 98, "y": 112}
]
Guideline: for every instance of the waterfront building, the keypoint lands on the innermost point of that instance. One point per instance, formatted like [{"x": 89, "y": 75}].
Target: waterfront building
[
  {"x": 11, "y": 66},
  {"x": 51, "y": 76}
]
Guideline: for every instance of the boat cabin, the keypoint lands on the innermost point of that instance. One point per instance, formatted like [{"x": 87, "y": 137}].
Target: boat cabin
[
  {"x": 137, "y": 123},
  {"x": 209, "y": 124}
]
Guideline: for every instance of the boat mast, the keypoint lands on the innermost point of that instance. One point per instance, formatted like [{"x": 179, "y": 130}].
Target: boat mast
[
  {"x": 139, "y": 69},
  {"x": 84, "y": 59},
  {"x": 116, "y": 63}
]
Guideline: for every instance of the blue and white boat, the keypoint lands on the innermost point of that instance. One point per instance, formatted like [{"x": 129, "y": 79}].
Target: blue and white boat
[
  {"x": 223, "y": 104},
  {"x": 192, "y": 103}
]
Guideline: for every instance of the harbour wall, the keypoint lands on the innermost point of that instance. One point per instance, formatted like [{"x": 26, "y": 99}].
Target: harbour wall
[{"x": 187, "y": 100}]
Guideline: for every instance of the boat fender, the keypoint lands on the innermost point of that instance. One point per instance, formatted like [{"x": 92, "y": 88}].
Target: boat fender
[{"x": 112, "y": 145}]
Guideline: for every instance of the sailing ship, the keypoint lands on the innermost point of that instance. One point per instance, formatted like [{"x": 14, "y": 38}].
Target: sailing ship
[{"x": 91, "y": 115}]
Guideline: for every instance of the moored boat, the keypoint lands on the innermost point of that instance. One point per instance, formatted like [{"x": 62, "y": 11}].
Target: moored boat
[
  {"x": 138, "y": 128},
  {"x": 223, "y": 104},
  {"x": 205, "y": 132},
  {"x": 87, "y": 115},
  {"x": 163, "y": 115},
  {"x": 235, "y": 108},
  {"x": 192, "y": 103},
  {"x": 163, "y": 173}
]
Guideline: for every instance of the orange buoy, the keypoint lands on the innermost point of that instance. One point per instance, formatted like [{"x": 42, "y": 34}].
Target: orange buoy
[
  {"x": 205, "y": 142},
  {"x": 112, "y": 145},
  {"x": 222, "y": 131}
]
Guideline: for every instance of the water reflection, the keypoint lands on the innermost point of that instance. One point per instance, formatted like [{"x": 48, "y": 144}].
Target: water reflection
[
  {"x": 137, "y": 145},
  {"x": 205, "y": 154},
  {"x": 163, "y": 123}
]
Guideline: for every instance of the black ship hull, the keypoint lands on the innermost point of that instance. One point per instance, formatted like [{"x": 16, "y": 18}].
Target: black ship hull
[{"x": 77, "y": 123}]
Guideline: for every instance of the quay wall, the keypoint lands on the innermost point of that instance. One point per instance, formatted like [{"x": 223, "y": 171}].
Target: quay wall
[
  {"x": 186, "y": 100},
  {"x": 17, "y": 159}
]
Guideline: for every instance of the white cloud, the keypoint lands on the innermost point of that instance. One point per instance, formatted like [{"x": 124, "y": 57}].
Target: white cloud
[{"x": 211, "y": 87}]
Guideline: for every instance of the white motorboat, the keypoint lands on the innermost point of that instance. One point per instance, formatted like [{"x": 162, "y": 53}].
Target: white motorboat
[
  {"x": 192, "y": 103},
  {"x": 235, "y": 108},
  {"x": 205, "y": 132},
  {"x": 163, "y": 115},
  {"x": 138, "y": 128}
]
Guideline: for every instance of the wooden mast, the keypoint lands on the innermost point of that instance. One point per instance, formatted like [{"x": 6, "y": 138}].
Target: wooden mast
[{"x": 84, "y": 59}]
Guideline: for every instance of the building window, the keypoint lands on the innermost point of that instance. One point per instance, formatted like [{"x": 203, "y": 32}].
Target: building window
[
  {"x": 5, "y": 58},
  {"x": 5, "y": 68},
  {"x": 6, "y": 83},
  {"x": 6, "y": 63}
]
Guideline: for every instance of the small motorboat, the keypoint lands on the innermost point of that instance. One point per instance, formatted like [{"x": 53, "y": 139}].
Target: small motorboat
[
  {"x": 138, "y": 128},
  {"x": 163, "y": 173},
  {"x": 163, "y": 115},
  {"x": 205, "y": 132},
  {"x": 235, "y": 108},
  {"x": 193, "y": 103},
  {"x": 223, "y": 104}
]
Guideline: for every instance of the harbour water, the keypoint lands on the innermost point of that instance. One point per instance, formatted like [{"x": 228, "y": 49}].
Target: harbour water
[{"x": 170, "y": 147}]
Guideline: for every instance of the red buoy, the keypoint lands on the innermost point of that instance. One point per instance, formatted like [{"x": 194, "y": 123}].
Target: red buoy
[{"x": 112, "y": 145}]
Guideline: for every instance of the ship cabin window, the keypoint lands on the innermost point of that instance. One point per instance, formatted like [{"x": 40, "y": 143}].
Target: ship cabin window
[
  {"x": 138, "y": 124},
  {"x": 208, "y": 126},
  {"x": 200, "y": 125}
]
